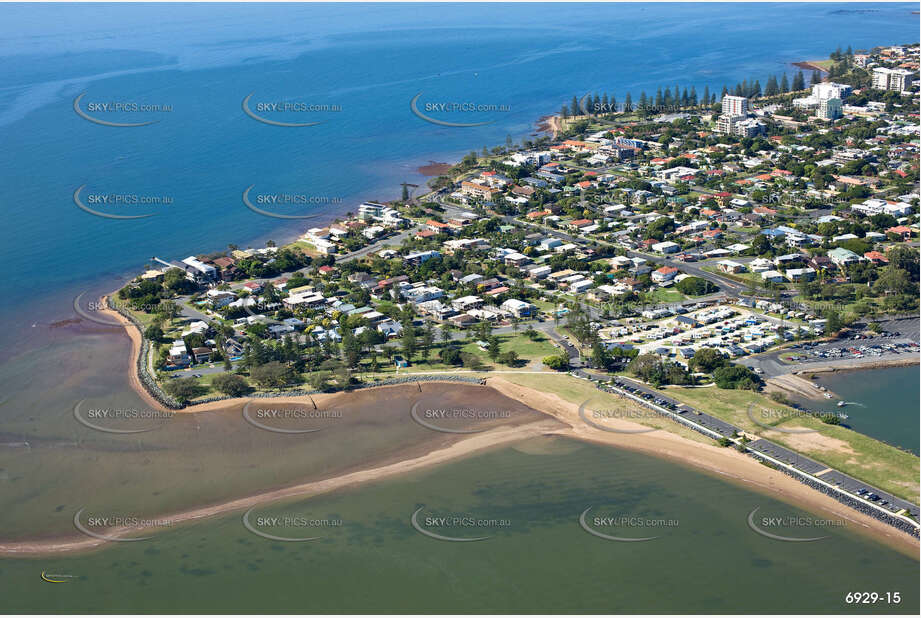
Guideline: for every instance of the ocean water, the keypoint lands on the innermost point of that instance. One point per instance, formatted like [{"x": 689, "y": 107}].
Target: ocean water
[
  {"x": 527, "y": 499},
  {"x": 881, "y": 403}
]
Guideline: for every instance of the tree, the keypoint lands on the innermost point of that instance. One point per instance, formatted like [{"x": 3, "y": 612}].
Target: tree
[
  {"x": 450, "y": 356},
  {"x": 799, "y": 81},
  {"x": 707, "y": 360},
  {"x": 229, "y": 384},
  {"x": 815, "y": 79},
  {"x": 833, "y": 322},
  {"x": 736, "y": 377},
  {"x": 784, "y": 84},
  {"x": 351, "y": 349},
  {"x": 153, "y": 333},
  {"x": 509, "y": 358},
  {"x": 272, "y": 374},
  {"x": 628, "y": 103},
  {"x": 695, "y": 286},
  {"x": 184, "y": 390},
  {"x": 557, "y": 363},
  {"x": 771, "y": 89},
  {"x": 409, "y": 340},
  {"x": 494, "y": 349}
]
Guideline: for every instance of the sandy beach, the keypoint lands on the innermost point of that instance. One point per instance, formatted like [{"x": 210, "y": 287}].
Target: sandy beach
[
  {"x": 724, "y": 462},
  {"x": 790, "y": 383},
  {"x": 744, "y": 470}
]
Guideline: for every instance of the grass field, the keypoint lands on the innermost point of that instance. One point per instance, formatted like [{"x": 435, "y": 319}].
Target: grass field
[
  {"x": 850, "y": 452},
  {"x": 578, "y": 391}
]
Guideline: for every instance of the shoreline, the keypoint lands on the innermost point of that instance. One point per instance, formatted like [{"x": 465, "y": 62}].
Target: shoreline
[
  {"x": 794, "y": 382},
  {"x": 808, "y": 65},
  {"x": 666, "y": 445},
  {"x": 724, "y": 463},
  {"x": 488, "y": 439}
]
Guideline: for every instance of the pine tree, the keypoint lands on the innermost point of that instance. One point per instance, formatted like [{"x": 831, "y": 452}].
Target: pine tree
[
  {"x": 685, "y": 99},
  {"x": 644, "y": 101},
  {"x": 756, "y": 89},
  {"x": 739, "y": 92},
  {"x": 784, "y": 84},
  {"x": 576, "y": 109},
  {"x": 612, "y": 104},
  {"x": 564, "y": 111},
  {"x": 771, "y": 89},
  {"x": 799, "y": 82},
  {"x": 596, "y": 105},
  {"x": 605, "y": 103},
  {"x": 658, "y": 101},
  {"x": 628, "y": 103},
  {"x": 725, "y": 91},
  {"x": 693, "y": 97},
  {"x": 816, "y": 78},
  {"x": 706, "y": 94},
  {"x": 667, "y": 97}
]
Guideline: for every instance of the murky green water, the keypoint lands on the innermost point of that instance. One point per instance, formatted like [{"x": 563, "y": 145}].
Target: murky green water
[{"x": 527, "y": 499}]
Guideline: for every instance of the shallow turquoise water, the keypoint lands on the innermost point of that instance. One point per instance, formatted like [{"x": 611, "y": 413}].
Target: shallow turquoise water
[{"x": 527, "y": 499}]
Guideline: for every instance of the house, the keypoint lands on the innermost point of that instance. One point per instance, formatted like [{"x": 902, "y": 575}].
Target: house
[
  {"x": 800, "y": 274},
  {"x": 901, "y": 231},
  {"x": 842, "y": 257},
  {"x": 728, "y": 266},
  {"x": 580, "y": 223},
  {"x": 178, "y": 355},
  {"x": 666, "y": 273},
  {"x": 390, "y": 328},
  {"x": 478, "y": 191},
  {"x": 666, "y": 247},
  {"x": 876, "y": 257},
  {"x": 466, "y": 303},
  {"x": 772, "y": 276},
  {"x": 518, "y": 308}
]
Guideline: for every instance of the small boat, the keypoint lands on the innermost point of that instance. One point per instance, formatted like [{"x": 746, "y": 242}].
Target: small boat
[
  {"x": 841, "y": 404},
  {"x": 826, "y": 395}
]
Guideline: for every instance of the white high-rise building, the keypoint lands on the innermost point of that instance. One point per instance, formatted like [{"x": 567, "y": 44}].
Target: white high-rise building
[
  {"x": 892, "y": 79},
  {"x": 829, "y": 109},
  {"x": 735, "y": 106}
]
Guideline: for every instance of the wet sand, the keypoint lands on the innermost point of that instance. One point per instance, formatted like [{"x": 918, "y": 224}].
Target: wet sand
[
  {"x": 478, "y": 442},
  {"x": 723, "y": 461},
  {"x": 434, "y": 168},
  {"x": 726, "y": 462}
]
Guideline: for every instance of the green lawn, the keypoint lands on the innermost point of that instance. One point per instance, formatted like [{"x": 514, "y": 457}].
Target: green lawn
[
  {"x": 850, "y": 452},
  {"x": 667, "y": 295}
]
